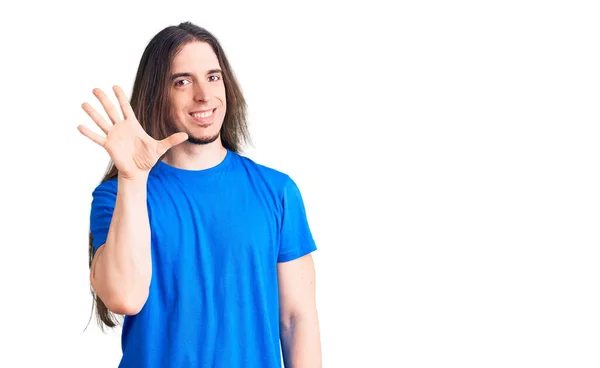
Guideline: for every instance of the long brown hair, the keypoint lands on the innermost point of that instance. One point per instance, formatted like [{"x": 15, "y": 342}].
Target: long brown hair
[{"x": 151, "y": 105}]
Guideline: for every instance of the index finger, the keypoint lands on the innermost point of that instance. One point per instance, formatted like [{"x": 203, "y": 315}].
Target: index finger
[{"x": 124, "y": 103}]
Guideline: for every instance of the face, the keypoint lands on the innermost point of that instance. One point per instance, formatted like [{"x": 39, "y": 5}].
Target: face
[{"x": 197, "y": 93}]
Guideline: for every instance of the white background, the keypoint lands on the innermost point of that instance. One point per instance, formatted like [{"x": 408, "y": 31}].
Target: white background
[{"x": 447, "y": 153}]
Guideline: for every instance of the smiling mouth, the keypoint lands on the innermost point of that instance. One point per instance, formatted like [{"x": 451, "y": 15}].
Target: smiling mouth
[
  {"x": 202, "y": 114},
  {"x": 203, "y": 118}
]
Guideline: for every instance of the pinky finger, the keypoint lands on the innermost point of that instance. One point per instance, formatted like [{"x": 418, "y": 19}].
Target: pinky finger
[{"x": 91, "y": 135}]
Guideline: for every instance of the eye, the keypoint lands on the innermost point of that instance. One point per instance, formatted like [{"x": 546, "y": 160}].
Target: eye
[
  {"x": 180, "y": 82},
  {"x": 216, "y": 78}
]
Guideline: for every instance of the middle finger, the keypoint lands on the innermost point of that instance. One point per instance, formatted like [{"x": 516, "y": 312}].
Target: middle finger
[{"x": 110, "y": 109}]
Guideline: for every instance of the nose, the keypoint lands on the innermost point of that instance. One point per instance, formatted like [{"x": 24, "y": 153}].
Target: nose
[{"x": 202, "y": 92}]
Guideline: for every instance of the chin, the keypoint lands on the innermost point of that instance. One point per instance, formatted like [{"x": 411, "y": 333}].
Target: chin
[{"x": 204, "y": 139}]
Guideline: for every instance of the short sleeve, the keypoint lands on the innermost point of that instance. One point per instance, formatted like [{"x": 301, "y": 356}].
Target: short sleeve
[
  {"x": 103, "y": 205},
  {"x": 296, "y": 239}
]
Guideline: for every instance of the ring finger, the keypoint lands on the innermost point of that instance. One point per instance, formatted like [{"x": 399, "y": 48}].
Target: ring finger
[{"x": 99, "y": 120}]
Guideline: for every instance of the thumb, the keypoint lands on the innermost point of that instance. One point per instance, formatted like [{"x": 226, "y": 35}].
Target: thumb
[{"x": 171, "y": 141}]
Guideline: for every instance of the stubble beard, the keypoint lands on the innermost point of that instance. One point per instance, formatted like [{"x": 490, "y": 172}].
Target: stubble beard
[
  {"x": 197, "y": 140},
  {"x": 203, "y": 140}
]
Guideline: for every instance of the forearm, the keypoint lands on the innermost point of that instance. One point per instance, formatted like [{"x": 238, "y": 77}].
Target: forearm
[
  {"x": 300, "y": 341},
  {"x": 122, "y": 273}
]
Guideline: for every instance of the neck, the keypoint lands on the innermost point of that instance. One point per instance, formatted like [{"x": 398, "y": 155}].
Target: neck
[{"x": 190, "y": 156}]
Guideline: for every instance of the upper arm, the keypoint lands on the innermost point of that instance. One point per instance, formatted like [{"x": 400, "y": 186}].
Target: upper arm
[
  {"x": 296, "y": 280},
  {"x": 102, "y": 208},
  {"x": 295, "y": 238},
  {"x": 295, "y": 267},
  {"x": 97, "y": 256}
]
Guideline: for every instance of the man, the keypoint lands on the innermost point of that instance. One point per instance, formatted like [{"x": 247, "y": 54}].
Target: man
[{"x": 205, "y": 252}]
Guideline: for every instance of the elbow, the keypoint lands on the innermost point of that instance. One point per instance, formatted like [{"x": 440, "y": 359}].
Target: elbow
[
  {"x": 122, "y": 301},
  {"x": 289, "y": 319},
  {"x": 121, "y": 298},
  {"x": 125, "y": 306},
  {"x": 286, "y": 321}
]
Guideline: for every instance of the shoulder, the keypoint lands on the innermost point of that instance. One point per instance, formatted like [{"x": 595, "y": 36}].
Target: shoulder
[
  {"x": 274, "y": 178},
  {"x": 105, "y": 188}
]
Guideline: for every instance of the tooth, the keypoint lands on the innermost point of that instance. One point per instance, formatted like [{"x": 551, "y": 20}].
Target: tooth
[{"x": 203, "y": 114}]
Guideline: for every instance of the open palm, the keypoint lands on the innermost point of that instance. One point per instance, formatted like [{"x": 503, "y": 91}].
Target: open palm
[{"x": 132, "y": 150}]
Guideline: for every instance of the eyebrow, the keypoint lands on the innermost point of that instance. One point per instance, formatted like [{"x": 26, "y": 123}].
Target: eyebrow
[{"x": 186, "y": 74}]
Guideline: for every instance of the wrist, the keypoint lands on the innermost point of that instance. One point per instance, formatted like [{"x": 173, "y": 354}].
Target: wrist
[{"x": 138, "y": 181}]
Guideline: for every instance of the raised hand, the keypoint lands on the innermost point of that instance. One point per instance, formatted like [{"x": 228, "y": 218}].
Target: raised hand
[{"x": 132, "y": 150}]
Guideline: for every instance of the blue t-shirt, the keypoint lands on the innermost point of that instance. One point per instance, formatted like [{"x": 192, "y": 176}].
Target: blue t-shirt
[{"x": 216, "y": 238}]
